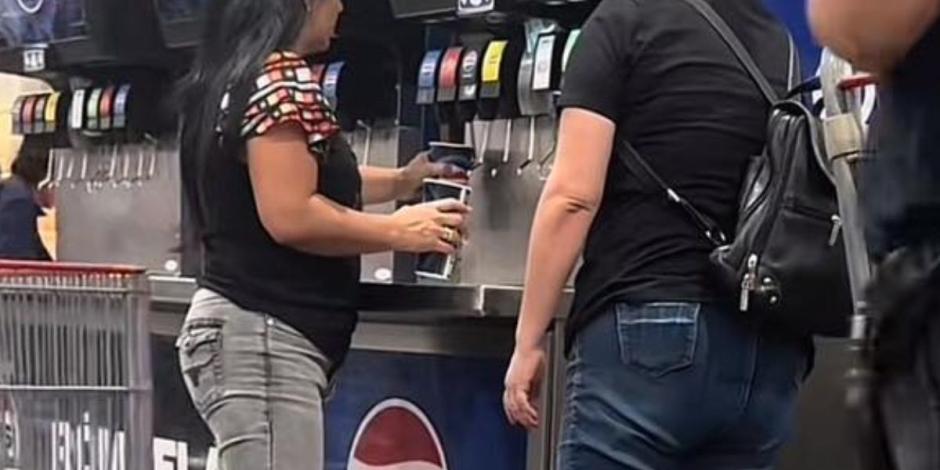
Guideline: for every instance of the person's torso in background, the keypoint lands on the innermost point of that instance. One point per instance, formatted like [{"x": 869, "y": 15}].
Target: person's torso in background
[
  {"x": 19, "y": 232},
  {"x": 900, "y": 188},
  {"x": 691, "y": 110}
]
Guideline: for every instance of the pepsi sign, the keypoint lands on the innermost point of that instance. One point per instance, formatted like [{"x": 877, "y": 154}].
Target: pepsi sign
[
  {"x": 396, "y": 411},
  {"x": 397, "y": 435}
]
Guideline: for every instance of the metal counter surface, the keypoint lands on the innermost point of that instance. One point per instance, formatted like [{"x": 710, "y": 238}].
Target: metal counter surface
[{"x": 409, "y": 302}]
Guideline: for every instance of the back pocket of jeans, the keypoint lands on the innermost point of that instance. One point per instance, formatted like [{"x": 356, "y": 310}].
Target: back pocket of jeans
[{"x": 658, "y": 338}]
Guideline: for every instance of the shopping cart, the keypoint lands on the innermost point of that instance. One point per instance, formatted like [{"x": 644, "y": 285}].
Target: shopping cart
[{"x": 75, "y": 375}]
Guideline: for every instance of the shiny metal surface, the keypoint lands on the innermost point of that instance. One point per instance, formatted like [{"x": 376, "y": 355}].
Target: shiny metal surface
[
  {"x": 504, "y": 200},
  {"x": 122, "y": 221},
  {"x": 404, "y": 302},
  {"x": 385, "y": 145}
]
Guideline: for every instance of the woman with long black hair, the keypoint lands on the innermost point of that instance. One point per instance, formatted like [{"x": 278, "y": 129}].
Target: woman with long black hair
[{"x": 277, "y": 192}]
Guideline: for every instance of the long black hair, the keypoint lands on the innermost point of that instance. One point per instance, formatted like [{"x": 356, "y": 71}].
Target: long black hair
[{"x": 237, "y": 37}]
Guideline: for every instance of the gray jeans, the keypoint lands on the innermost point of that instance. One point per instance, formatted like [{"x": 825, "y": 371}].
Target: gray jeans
[{"x": 258, "y": 384}]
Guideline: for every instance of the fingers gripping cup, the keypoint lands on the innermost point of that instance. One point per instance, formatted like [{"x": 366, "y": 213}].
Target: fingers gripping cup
[{"x": 439, "y": 266}]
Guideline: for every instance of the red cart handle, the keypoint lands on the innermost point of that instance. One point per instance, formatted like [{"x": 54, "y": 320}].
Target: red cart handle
[
  {"x": 41, "y": 267},
  {"x": 857, "y": 81}
]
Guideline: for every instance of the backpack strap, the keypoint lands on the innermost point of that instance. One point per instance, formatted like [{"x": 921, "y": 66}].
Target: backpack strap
[
  {"x": 795, "y": 75},
  {"x": 731, "y": 39},
  {"x": 648, "y": 177}
]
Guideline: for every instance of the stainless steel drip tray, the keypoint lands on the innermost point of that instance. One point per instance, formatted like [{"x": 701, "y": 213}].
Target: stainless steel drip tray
[{"x": 406, "y": 302}]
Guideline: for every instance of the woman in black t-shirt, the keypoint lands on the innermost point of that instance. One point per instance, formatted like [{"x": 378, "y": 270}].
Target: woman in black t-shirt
[
  {"x": 662, "y": 374},
  {"x": 277, "y": 193}
]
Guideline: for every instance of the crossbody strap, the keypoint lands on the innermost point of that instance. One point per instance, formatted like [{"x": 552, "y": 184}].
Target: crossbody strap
[{"x": 642, "y": 170}]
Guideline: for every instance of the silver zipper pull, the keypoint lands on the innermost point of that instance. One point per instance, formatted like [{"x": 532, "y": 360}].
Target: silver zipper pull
[
  {"x": 836, "y": 230},
  {"x": 748, "y": 283}
]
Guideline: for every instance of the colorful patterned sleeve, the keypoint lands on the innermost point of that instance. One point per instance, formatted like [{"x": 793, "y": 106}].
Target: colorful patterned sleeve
[{"x": 286, "y": 92}]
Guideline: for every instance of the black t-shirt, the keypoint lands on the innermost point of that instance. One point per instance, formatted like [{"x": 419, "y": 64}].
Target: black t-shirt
[
  {"x": 676, "y": 91},
  {"x": 316, "y": 295},
  {"x": 901, "y": 187}
]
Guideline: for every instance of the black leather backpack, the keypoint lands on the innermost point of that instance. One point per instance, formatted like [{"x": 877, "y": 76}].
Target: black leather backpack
[{"x": 785, "y": 265}]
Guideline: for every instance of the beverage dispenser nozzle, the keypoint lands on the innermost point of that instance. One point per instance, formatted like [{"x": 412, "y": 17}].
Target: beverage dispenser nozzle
[
  {"x": 498, "y": 93},
  {"x": 126, "y": 182},
  {"x": 48, "y": 179},
  {"x": 507, "y": 141},
  {"x": 525, "y": 95},
  {"x": 490, "y": 90},
  {"x": 468, "y": 94},
  {"x": 153, "y": 146},
  {"x": 367, "y": 145},
  {"x": 566, "y": 52},
  {"x": 82, "y": 175},
  {"x": 553, "y": 48},
  {"x": 113, "y": 166},
  {"x": 450, "y": 113},
  {"x": 68, "y": 172},
  {"x": 141, "y": 158},
  {"x": 536, "y": 80},
  {"x": 60, "y": 171}
]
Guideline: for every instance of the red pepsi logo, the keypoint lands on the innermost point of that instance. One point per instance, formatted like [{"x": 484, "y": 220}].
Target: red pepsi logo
[{"x": 396, "y": 435}]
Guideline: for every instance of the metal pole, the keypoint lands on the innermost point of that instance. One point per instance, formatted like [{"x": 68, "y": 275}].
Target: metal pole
[{"x": 845, "y": 140}]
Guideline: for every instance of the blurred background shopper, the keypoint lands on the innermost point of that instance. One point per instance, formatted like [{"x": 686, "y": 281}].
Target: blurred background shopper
[
  {"x": 22, "y": 203},
  {"x": 899, "y": 41},
  {"x": 277, "y": 193}
]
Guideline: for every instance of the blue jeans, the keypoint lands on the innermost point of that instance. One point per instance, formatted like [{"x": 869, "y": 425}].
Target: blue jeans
[{"x": 679, "y": 386}]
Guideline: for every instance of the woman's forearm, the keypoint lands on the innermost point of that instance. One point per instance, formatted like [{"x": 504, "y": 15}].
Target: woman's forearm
[
  {"x": 325, "y": 228},
  {"x": 380, "y": 185},
  {"x": 566, "y": 211},
  {"x": 561, "y": 225}
]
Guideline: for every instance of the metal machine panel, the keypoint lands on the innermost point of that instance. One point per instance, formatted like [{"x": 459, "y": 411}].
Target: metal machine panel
[
  {"x": 504, "y": 203},
  {"x": 136, "y": 224},
  {"x": 383, "y": 146}
]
